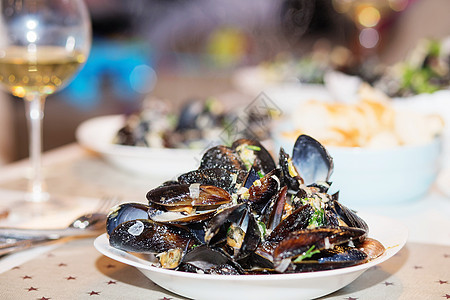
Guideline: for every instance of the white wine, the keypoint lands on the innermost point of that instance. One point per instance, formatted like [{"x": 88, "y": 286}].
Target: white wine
[{"x": 42, "y": 70}]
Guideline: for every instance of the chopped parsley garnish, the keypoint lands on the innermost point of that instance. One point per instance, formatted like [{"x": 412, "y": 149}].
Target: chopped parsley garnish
[
  {"x": 253, "y": 147},
  {"x": 262, "y": 228},
  {"x": 261, "y": 175},
  {"x": 310, "y": 252},
  {"x": 317, "y": 218}
]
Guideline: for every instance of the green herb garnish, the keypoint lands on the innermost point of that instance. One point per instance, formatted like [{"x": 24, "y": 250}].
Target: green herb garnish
[
  {"x": 253, "y": 147},
  {"x": 262, "y": 228},
  {"x": 310, "y": 252},
  {"x": 317, "y": 218}
]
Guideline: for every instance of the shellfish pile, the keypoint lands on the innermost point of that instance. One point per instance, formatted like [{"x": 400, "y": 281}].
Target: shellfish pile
[{"x": 241, "y": 212}]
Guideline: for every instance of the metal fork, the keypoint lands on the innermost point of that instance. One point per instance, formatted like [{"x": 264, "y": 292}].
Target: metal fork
[{"x": 87, "y": 225}]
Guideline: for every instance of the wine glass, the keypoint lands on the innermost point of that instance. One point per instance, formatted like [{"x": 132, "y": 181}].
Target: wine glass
[{"x": 43, "y": 44}]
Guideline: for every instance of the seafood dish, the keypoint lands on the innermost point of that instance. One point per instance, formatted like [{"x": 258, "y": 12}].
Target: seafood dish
[
  {"x": 241, "y": 212},
  {"x": 370, "y": 122},
  {"x": 197, "y": 125}
]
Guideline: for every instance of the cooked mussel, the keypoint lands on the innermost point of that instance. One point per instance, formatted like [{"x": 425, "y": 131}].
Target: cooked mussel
[
  {"x": 254, "y": 154},
  {"x": 125, "y": 212},
  {"x": 189, "y": 195},
  {"x": 299, "y": 243},
  {"x": 218, "y": 177},
  {"x": 222, "y": 157},
  {"x": 147, "y": 236}
]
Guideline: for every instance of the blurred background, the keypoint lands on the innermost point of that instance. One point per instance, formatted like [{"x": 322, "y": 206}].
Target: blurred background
[{"x": 178, "y": 50}]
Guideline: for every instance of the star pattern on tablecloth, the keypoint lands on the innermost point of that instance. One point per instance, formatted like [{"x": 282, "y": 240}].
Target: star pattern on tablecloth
[
  {"x": 446, "y": 296},
  {"x": 388, "y": 283},
  {"x": 26, "y": 277},
  {"x": 111, "y": 282},
  {"x": 71, "y": 278},
  {"x": 446, "y": 255},
  {"x": 91, "y": 293},
  {"x": 418, "y": 267},
  {"x": 62, "y": 265},
  {"x": 44, "y": 298},
  {"x": 442, "y": 281},
  {"x": 165, "y": 298},
  {"x": 351, "y": 298},
  {"x": 32, "y": 289}
]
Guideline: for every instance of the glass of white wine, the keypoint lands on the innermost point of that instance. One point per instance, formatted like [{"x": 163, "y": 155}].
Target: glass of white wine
[{"x": 43, "y": 44}]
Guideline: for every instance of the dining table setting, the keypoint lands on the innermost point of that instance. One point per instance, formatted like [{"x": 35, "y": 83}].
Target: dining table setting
[
  {"x": 73, "y": 268},
  {"x": 302, "y": 181}
]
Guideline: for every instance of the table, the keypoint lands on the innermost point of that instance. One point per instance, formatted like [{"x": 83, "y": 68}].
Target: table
[{"x": 75, "y": 270}]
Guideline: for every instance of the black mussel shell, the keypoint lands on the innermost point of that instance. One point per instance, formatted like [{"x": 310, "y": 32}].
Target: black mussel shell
[
  {"x": 210, "y": 261},
  {"x": 299, "y": 242},
  {"x": 265, "y": 188},
  {"x": 251, "y": 177},
  {"x": 273, "y": 213},
  {"x": 312, "y": 160},
  {"x": 189, "y": 114},
  {"x": 289, "y": 175},
  {"x": 299, "y": 219},
  {"x": 147, "y": 236},
  {"x": 337, "y": 257},
  {"x": 222, "y": 219},
  {"x": 125, "y": 212},
  {"x": 218, "y": 177},
  {"x": 347, "y": 215},
  {"x": 253, "y": 153},
  {"x": 222, "y": 157}
]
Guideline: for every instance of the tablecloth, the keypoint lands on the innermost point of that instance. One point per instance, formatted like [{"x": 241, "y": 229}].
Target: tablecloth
[{"x": 76, "y": 270}]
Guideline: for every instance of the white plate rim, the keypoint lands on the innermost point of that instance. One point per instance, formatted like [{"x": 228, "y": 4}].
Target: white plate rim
[{"x": 102, "y": 245}]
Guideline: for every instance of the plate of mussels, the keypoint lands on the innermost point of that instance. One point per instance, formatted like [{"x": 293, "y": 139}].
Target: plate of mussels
[{"x": 242, "y": 225}]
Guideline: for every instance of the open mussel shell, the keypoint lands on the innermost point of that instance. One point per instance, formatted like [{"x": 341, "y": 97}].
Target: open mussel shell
[
  {"x": 290, "y": 175},
  {"x": 204, "y": 259},
  {"x": 253, "y": 153},
  {"x": 312, "y": 160},
  {"x": 235, "y": 227},
  {"x": 273, "y": 212},
  {"x": 348, "y": 216},
  {"x": 125, "y": 212},
  {"x": 189, "y": 195},
  {"x": 297, "y": 220},
  {"x": 162, "y": 215},
  {"x": 263, "y": 189},
  {"x": 147, "y": 236},
  {"x": 299, "y": 242},
  {"x": 221, "y": 220}
]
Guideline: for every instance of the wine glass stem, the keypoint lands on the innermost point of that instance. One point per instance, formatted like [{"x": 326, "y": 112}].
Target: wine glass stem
[{"x": 34, "y": 105}]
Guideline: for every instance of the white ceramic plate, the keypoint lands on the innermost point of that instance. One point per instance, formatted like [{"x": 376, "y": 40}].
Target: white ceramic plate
[
  {"x": 97, "y": 134},
  {"x": 391, "y": 233}
]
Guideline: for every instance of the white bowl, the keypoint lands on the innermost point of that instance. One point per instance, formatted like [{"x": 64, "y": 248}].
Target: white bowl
[
  {"x": 391, "y": 233},
  {"x": 380, "y": 176},
  {"x": 97, "y": 135}
]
